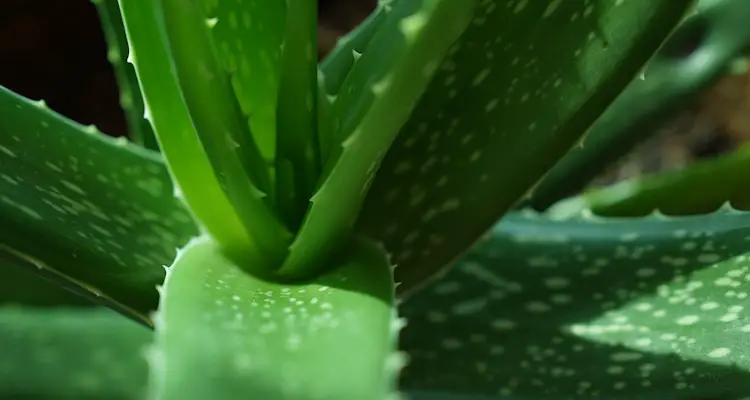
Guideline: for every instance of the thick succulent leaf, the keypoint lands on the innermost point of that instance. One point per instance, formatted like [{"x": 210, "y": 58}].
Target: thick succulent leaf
[
  {"x": 71, "y": 354},
  {"x": 697, "y": 54},
  {"x": 339, "y": 62},
  {"x": 131, "y": 100},
  {"x": 520, "y": 87},
  {"x": 376, "y": 99},
  {"x": 222, "y": 131},
  {"x": 21, "y": 286},
  {"x": 248, "y": 37},
  {"x": 700, "y": 188},
  {"x": 91, "y": 212},
  {"x": 651, "y": 308},
  {"x": 221, "y": 333},
  {"x": 297, "y": 111}
]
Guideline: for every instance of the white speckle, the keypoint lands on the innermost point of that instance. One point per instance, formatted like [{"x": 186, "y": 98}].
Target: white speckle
[{"x": 719, "y": 352}]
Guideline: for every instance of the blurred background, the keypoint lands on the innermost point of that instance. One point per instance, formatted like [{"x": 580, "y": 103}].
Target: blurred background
[{"x": 55, "y": 50}]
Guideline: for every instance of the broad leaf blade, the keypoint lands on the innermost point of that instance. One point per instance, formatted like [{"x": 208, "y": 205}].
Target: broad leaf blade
[
  {"x": 88, "y": 210},
  {"x": 219, "y": 324},
  {"x": 131, "y": 100},
  {"x": 520, "y": 87},
  {"x": 71, "y": 354},
  {"x": 589, "y": 309}
]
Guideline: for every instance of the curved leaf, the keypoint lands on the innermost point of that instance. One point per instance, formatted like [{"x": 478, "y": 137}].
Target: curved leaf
[
  {"x": 90, "y": 211},
  {"x": 166, "y": 110}
]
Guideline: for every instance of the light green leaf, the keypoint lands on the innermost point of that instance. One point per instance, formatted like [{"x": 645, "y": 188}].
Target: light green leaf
[
  {"x": 188, "y": 164},
  {"x": 221, "y": 333},
  {"x": 651, "y": 308},
  {"x": 376, "y": 99},
  {"x": 84, "y": 209},
  {"x": 222, "y": 131},
  {"x": 520, "y": 87}
]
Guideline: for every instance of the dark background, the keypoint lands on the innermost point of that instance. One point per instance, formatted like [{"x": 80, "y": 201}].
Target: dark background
[{"x": 55, "y": 50}]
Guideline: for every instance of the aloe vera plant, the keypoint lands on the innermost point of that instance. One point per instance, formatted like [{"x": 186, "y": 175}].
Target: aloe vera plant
[{"x": 360, "y": 228}]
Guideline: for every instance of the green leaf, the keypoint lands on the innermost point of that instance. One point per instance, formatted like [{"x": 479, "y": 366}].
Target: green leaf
[
  {"x": 84, "y": 209},
  {"x": 222, "y": 131},
  {"x": 21, "y": 286},
  {"x": 376, "y": 99},
  {"x": 71, "y": 354},
  {"x": 696, "y": 56},
  {"x": 337, "y": 65},
  {"x": 248, "y": 38},
  {"x": 651, "y": 308},
  {"x": 519, "y": 88},
  {"x": 221, "y": 333},
  {"x": 297, "y": 110},
  {"x": 700, "y": 188},
  {"x": 131, "y": 100}
]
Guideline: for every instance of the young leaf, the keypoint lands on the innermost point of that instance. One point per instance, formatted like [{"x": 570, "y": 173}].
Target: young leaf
[
  {"x": 696, "y": 56},
  {"x": 376, "y": 99},
  {"x": 650, "y": 308},
  {"x": 249, "y": 37},
  {"x": 223, "y": 132},
  {"x": 131, "y": 100},
  {"x": 71, "y": 354},
  {"x": 519, "y": 88},
  {"x": 330, "y": 339},
  {"x": 297, "y": 110},
  {"x": 84, "y": 209}
]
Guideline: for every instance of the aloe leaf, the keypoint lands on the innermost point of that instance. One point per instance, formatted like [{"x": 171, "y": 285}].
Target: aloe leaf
[
  {"x": 248, "y": 37},
  {"x": 519, "y": 89},
  {"x": 20, "y": 286},
  {"x": 339, "y": 62},
  {"x": 651, "y": 308},
  {"x": 82, "y": 208},
  {"x": 131, "y": 101},
  {"x": 71, "y": 354},
  {"x": 697, "y": 55},
  {"x": 222, "y": 333},
  {"x": 702, "y": 187},
  {"x": 297, "y": 109},
  {"x": 376, "y": 99},
  {"x": 223, "y": 131},
  {"x": 189, "y": 165}
]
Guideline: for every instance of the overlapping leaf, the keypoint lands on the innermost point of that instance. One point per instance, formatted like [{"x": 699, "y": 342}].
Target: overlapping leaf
[
  {"x": 89, "y": 211},
  {"x": 650, "y": 308},
  {"x": 520, "y": 87}
]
